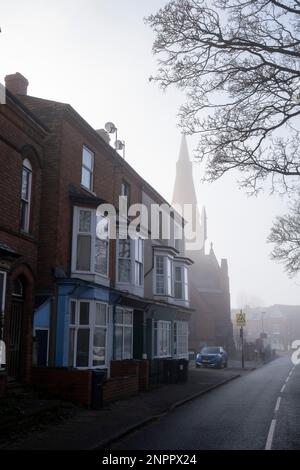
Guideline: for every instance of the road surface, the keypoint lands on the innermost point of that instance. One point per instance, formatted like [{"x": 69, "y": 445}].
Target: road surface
[{"x": 260, "y": 410}]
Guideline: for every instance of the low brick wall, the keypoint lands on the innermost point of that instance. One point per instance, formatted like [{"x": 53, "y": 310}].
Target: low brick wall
[
  {"x": 120, "y": 387},
  {"x": 3, "y": 383},
  {"x": 68, "y": 384},
  {"x": 132, "y": 367}
]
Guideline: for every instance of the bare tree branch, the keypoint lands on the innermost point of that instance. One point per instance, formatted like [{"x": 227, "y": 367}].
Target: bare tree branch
[{"x": 239, "y": 63}]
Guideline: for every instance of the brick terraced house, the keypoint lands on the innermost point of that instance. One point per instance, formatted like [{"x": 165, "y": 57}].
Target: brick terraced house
[{"x": 93, "y": 308}]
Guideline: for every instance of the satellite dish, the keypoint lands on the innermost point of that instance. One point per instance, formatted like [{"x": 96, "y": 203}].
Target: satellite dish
[{"x": 110, "y": 127}]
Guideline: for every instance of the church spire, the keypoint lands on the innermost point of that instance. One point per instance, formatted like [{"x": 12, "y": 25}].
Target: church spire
[
  {"x": 184, "y": 190},
  {"x": 184, "y": 152}
]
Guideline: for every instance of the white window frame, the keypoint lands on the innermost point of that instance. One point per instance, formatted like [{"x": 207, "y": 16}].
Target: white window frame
[
  {"x": 26, "y": 166},
  {"x": 122, "y": 258},
  {"x": 93, "y": 234},
  {"x": 90, "y": 170},
  {"x": 91, "y": 326},
  {"x": 2, "y": 306},
  {"x": 167, "y": 275},
  {"x": 184, "y": 282},
  {"x": 159, "y": 326},
  {"x": 177, "y": 335},
  {"x": 123, "y": 326},
  {"x": 136, "y": 247}
]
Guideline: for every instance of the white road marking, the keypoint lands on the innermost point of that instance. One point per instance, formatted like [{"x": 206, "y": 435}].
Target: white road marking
[
  {"x": 287, "y": 379},
  {"x": 283, "y": 388},
  {"x": 270, "y": 435},
  {"x": 277, "y": 404}
]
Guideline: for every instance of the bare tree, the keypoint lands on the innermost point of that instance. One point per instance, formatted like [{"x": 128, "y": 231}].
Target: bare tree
[
  {"x": 239, "y": 63},
  {"x": 285, "y": 234}
]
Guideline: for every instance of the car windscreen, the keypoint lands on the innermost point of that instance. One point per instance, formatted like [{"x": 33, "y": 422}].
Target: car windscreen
[{"x": 210, "y": 350}]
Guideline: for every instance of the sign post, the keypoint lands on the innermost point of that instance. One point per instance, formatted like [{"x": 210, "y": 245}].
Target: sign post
[{"x": 241, "y": 322}]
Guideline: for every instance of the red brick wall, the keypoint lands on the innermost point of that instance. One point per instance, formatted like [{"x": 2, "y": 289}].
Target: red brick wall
[
  {"x": 120, "y": 387},
  {"x": 132, "y": 367},
  {"x": 68, "y": 384},
  {"x": 16, "y": 134},
  {"x": 63, "y": 160}
]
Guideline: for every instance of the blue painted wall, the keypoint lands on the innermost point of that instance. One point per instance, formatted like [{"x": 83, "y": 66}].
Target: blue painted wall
[
  {"x": 41, "y": 318},
  {"x": 67, "y": 290}
]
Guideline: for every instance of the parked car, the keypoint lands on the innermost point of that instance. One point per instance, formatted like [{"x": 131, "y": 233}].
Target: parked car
[{"x": 212, "y": 356}]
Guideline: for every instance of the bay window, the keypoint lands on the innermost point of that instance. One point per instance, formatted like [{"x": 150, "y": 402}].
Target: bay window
[
  {"x": 181, "y": 282},
  {"x": 123, "y": 333},
  {"x": 130, "y": 261},
  {"x": 87, "y": 334},
  {"x": 162, "y": 338},
  {"x": 163, "y": 275},
  {"x": 124, "y": 257},
  {"x": 138, "y": 261},
  {"x": 91, "y": 242}
]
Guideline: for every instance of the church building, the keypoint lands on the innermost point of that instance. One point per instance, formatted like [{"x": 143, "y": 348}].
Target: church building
[{"x": 210, "y": 324}]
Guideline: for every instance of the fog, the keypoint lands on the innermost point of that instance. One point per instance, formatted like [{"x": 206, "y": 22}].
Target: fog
[{"x": 96, "y": 55}]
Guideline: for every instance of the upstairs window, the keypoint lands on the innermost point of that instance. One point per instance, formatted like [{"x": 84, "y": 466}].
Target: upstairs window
[
  {"x": 125, "y": 190},
  {"x": 181, "y": 283},
  {"x": 26, "y": 195},
  {"x": 87, "y": 168},
  {"x": 138, "y": 261},
  {"x": 131, "y": 261},
  {"x": 124, "y": 257},
  {"x": 160, "y": 275},
  {"x": 163, "y": 275},
  {"x": 91, "y": 242},
  {"x": 178, "y": 283}
]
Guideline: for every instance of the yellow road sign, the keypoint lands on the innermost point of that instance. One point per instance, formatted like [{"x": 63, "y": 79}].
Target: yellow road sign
[{"x": 240, "y": 318}]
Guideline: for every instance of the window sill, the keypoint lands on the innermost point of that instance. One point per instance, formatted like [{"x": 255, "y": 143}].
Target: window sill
[
  {"x": 28, "y": 236},
  {"x": 100, "y": 279},
  {"x": 88, "y": 190}
]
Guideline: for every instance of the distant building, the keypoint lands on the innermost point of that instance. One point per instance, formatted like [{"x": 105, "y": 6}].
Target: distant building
[
  {"x": 209, "y": 281},
  {"x": 280, "y": 324}
]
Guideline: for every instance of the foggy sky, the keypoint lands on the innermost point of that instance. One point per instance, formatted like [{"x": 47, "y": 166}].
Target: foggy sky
[{"x": 96, "y": 55}]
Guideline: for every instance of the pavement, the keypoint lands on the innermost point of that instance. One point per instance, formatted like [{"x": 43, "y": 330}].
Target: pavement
[
  {"x": 260, "y": 410},
  {"x": 99, "y": 429}
]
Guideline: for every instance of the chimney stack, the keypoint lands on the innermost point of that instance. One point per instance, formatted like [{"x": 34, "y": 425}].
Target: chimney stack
[{"x": 16, "y": 83}]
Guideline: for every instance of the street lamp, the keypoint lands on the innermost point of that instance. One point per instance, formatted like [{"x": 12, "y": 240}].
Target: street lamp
[{"x": 262, "y": 321}]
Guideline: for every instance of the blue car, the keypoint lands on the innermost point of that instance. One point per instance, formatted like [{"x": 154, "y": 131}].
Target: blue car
[{"x": 212, "y": 356}]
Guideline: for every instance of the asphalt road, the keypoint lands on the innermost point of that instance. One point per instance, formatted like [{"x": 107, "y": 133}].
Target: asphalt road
[{"x": 255, "y": 411}]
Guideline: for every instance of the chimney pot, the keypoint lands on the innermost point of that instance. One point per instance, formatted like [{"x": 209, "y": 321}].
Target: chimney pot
[{"x": 16, "y": 83}]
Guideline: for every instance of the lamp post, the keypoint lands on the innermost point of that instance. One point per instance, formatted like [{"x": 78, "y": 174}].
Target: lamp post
[{"x": 262, "y": 321}]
